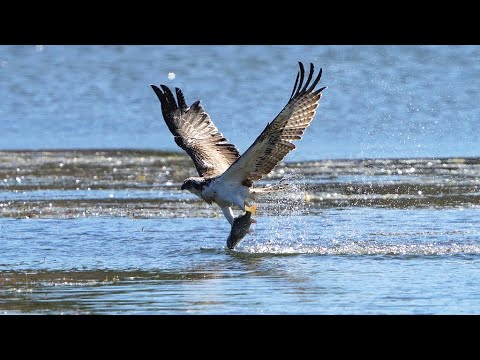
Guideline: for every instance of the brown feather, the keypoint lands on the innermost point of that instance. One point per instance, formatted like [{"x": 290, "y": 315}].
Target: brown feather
[
  {"x": 275, "y": 142},
  {"x": 194, "y": 132}
]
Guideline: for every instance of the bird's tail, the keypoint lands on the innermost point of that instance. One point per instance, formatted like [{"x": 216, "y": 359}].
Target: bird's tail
[{"x": 281, "y": 186}]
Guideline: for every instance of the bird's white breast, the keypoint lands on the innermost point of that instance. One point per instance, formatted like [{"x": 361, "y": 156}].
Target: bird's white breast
[{"x": 225, "y": 193}]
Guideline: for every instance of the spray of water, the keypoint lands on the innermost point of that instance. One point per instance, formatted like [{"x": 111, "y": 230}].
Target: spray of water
[{"x": 284, "y": 227}]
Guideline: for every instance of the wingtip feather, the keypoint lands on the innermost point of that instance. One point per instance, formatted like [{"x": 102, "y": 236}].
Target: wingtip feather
[
  {"x": 310, "y": 75},
  {"x": 295, "y": 85},
  {"x": 164, "y": 87},
  {"x": 302, "y": 75},
  {"x": 158, "y": 92},
  {"x": 315, "y": 82},
  {"x": 181, "y": 99}
]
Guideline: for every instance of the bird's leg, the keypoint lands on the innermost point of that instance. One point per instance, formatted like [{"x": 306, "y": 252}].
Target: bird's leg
[
  {"x": 227, "y": 211},
  {"x": 250, "y": 209}
]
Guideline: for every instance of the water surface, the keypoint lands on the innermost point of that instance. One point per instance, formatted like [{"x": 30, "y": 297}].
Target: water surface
[
  {"x": 381, "y": 217},
  {"x": 381, "y": 101},
  {"x": 372, "y": 236}
]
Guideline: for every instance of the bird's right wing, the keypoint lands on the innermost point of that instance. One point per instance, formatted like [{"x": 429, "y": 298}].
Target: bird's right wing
[{"x": 195, "y": 133}]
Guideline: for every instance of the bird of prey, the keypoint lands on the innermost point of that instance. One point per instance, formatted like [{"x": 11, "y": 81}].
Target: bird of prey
[{"x": 225, "y": 177}]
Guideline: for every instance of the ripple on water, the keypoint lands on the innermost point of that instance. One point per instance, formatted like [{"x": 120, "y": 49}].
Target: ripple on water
[{"x": 153, "y": 249}]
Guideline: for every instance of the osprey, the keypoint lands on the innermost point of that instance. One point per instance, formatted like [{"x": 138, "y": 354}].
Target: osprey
[{"x": 225, "y": 177}]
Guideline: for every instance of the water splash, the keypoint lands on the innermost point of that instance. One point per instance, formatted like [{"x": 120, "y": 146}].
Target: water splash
[
  {"x": 286, "y": 227},
  {"x": 359, "y": 248}
]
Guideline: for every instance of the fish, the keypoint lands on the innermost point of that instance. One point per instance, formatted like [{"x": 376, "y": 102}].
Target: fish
[{"x": 241, "y": 227}]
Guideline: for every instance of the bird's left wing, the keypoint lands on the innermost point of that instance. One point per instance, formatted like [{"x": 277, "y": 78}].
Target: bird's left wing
[
  {"x": 196, "y": 133},
  {"x": 275, "y": 142}
]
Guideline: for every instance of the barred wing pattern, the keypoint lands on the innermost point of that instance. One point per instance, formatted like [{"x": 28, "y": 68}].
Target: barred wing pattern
[
  {"x": 195, "y": 133},
  {"x": 275, "y": 142}
]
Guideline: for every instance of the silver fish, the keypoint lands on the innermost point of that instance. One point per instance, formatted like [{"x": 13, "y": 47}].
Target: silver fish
[{"x": 240, "y": 228}]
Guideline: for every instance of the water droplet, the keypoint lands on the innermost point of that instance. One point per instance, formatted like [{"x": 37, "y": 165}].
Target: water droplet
[
  {"x": 171, "y": 75},
  {"x": 39, "y": 48}
]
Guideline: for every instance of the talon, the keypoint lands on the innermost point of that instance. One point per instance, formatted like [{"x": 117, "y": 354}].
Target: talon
[
  {"x": 253, "y": 221},
  {"x": 251, "y": 209}
]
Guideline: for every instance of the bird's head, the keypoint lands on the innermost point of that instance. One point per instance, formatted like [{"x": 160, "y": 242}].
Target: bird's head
[{"x": 194, "y": 185}]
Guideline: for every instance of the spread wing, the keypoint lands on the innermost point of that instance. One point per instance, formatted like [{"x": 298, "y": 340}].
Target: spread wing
[
  {"x": 195, "y": 133},
  {"x": 275, "y": 142}
]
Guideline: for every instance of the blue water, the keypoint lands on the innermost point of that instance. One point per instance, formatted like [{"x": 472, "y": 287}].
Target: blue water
[
  {"x": 381, "y": 101},
  {"x": 383, "y": 265},
  {"x": 82, "y": 233}
]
